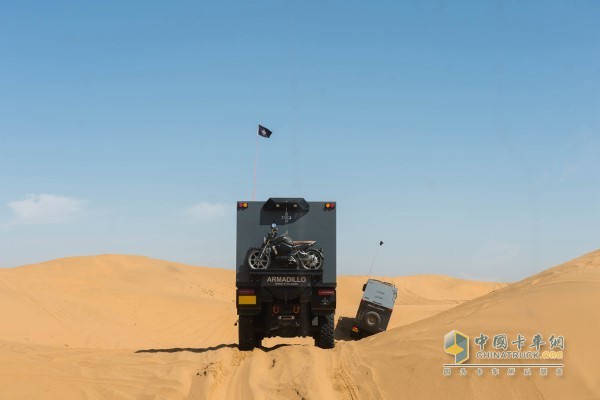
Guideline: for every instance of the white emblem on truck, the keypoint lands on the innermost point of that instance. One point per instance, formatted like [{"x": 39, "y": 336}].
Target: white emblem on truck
[
  {"x": 286, "y": 279},
  {"x": 286, "y": 217}
]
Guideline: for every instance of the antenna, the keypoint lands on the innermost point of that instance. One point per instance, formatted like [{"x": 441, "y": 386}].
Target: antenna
[
  {"x": 286, "y": 218},
  {"x": 255, "y": 167},
  {"x": 374, "y": 254}
]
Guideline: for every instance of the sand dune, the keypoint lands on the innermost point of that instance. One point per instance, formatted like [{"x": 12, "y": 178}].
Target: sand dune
[
  {"x": 129, "y": 327},
  {"x": 115, "y": 302},
  {"x": 562, "y": 300}
]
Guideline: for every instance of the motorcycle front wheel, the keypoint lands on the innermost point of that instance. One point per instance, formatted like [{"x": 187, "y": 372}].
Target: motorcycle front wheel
[
  {"x": 312, "y": 260},
  {"x": 255, "y": 261}
]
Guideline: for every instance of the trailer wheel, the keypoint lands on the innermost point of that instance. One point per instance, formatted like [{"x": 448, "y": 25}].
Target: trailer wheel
[
  {"x": 325, "y": 336},
  {"x": 246, "y": 333}
]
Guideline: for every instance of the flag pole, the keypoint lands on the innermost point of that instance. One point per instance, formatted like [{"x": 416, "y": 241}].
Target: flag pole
[{"x": 255, "y": 166}]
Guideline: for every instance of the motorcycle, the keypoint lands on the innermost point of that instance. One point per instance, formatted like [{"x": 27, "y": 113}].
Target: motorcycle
[{"x": 284, "y": 250}]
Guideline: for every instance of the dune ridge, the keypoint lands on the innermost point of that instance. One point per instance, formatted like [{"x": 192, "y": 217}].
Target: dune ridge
[{"x": 132, "y": 327}]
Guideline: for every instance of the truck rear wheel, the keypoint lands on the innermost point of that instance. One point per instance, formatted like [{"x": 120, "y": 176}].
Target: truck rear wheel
[
  {"x": 258, "y": 340},
  {"x": 247, "y": 341},
  {"x": 325, "y": 336}
]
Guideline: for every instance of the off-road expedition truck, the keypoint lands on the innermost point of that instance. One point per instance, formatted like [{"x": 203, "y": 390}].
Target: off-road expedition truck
[
  {"x": 286, "y": 287},
  {"x": 375, "y": 309}
]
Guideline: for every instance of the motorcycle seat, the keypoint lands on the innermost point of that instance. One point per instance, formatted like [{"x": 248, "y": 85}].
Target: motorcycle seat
[{"x": 300, "y": 242}]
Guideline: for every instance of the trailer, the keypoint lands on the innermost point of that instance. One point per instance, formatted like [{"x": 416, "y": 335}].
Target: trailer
[{"x": 375, "y": 309}]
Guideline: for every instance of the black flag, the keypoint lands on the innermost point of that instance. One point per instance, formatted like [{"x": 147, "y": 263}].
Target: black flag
[{"x": 264, "y": 132}]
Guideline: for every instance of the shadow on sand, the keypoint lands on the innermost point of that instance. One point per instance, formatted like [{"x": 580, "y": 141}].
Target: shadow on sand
[
  {"x": 191, "y": 350},
  {"x": 213, "y": 348},
  {"x": 343, "y": 328},
  {"x": 342, "y": 332}
]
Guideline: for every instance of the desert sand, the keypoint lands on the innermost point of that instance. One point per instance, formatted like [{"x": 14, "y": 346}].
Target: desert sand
[{"x": 131, "y": 327}]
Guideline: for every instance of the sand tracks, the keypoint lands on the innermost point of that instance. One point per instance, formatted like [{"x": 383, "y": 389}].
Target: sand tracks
[{"x": 284, "y": 371}]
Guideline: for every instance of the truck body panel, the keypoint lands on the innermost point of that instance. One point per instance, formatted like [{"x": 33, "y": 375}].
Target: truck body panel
[
  {"x": 281, "y": 297},
  {"x": 316, "y": 223}
]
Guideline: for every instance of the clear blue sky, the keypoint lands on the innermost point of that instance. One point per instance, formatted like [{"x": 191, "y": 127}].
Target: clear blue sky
[{"x": 466, "y": 136}]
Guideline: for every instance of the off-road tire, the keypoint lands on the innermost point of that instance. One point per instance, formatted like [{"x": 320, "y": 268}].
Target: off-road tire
[
  {"x": 258, "y": 340},
  {"x": 247, "y": 340},
  {"x": 372, "y": 319},
  {"x": 325, "y": 336}
]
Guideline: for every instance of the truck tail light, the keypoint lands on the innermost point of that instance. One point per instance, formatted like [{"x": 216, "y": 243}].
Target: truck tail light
[
  {"x": 245, "y": 292},
  {"x": 242, "y": 204},
  {"x": 330, "y": 206},
  {"x": 326, "y": 292}
]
